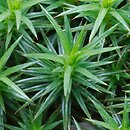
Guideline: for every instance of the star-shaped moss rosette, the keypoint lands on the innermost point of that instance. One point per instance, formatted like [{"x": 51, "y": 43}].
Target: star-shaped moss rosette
[
  {"x": 69, "y": 71},
  {"x": 14, "y": 17},
  {"x": 104, "y": 13}
]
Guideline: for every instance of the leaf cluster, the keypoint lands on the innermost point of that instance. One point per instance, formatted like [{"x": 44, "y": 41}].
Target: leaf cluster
[{"x": 64, "y": 63}]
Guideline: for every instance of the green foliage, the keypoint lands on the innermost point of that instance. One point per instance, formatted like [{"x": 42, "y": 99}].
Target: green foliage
[
  {"x": 110, "y": 123},
  {"x": 67, "y": 66},
  {"x": 13, "y": 15},
  {"x": 70, "y": 67}
]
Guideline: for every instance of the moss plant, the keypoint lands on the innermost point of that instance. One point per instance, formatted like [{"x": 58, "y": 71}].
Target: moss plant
[{"x": 70, "y": 67}]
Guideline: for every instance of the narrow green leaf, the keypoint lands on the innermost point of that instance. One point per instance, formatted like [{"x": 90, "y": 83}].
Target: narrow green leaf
[
  {"x": 77, "y": 125},
  {"x": 68, "y": 31},
  {"x": 47, "y": 41},
  {"x": 15, "y": 69},
  {"x": 7, "y": 54},
  {"x": 51, "y": 126},
  {"x": 29, "y": 25},
  {"x": 78, "y": 9},
  {"x": 44, "y": 49},
  {"x": 10, "y": 26},
  {"x": 98, "y": 63},
  {"x": 115, "y": 14},
  {"x": 114, "y": 42},
  {"x": 80, "y": 100},
  {"x": 1, "y": 119},
  {"x": 125, "y": 119},
  {"x": 87, "y": 53},
  {"x": 103, "y": 124},
  {"x": 88, "y": 95},
  {"x": 27, "y": 4},
  {"x": 4, "y": 16},
  {"x": 101, "y": 15},
  {"x": 49, "y": 100},
  {"x": 53, "y": 57},
  {"x": 26, "y": 34},
  {"x": 79, "y": 41},
  {"x": 9, "y": 127},
  {"x": 2, "y": 102},
  {"x": 55, "y": 5},
  {"x": 42, "y": 93},
  {"x": 67, "y": 80},
  {"x": 106, "y": 117},
  {"x": 116, "y": 3},
  {"x": 102, "y": 30},
  {"x": 88, "y": 74},
  {"x": 66, "y": 112},
  {"x": 18, "y": 18},
  {"x": 14, "y": 87},
  {"x": 61, "y": 34},
  {"x": 8, "y": 39},
  {"x": 98, "y": 39},
  {"x": 84, "y": 82}
]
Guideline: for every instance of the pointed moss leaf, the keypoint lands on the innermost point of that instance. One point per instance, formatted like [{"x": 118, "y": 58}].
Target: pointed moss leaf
[
  {"x": 68, "y": 31},
  {"x": 26, "y": 34},
  {"x": 15, "y": 69},
  {"x": 10, "y": 26},
  {"x": 67, "y": 80},
  {"x": 81, "y": 102},
  {"x": 47, "y": 41},
  {"x": 103, "y": 124},
  {"x": 51, "y": 87},
  {"x": 98, "y": 63},
  {"x": 7, "y": 54},
  {"x": 1, "y": 119},
  {"x": 114, "y": 42},
  {"x": 44, "y": 49},
  {"x": 98, "y": 39},
  {"x": 101, "y": 15},
  {"x": 77, "y": 125},
  {"x": 115, "y": 14},
  {"x": 27, "y": 4},
  {"x": 87, "y": 53},
  {"x": 102, "y": 89},
  {"x": 51, "y": 126},
  {"x": 116, "y": 3},
  {"x": 79, "y": 41},
  {"x": 2, "y": 102},
  {"x": 49, "y": 100},
  {"x": 55, "y": 5},
  {"x": 14, "y": 87},
  {"x": 53, "y": 57},
  {"x": 41, "y": 93},
  {"x": 125, "y": 119},
  {"x": 61, "y": 34},
  {"x": 77, "y": 9},
  {"x": 84, "y": 82},
  {"x": 8, "y": 39},
  {"x": 88, "y": 74},
  {"x": 18, "y": 18},
  {"x": 29, "y": 25},
  {"x": 3, "y": 16},
  {"x": 66, "y": 113},
  {"x": 9, "y": 127},
  {"x": 106, "y": 117}
]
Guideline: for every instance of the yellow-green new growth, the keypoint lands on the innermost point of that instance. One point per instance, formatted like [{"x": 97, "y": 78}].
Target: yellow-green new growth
[
  {"x": 14, "y": 4},
  {"x": 107, "y": 3}
]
